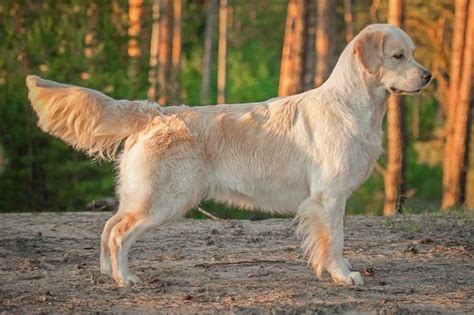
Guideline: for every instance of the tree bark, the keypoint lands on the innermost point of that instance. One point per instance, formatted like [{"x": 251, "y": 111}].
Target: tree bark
[
  {"x": 348, "y": 20},
  {"x": 374, "y": 7},
  {"x": 164, "y": 51},
  {"x": 134, "y": 28},
  {"x": 176, "y": 51},
  {"x": 153, "y": 72},
  {"x": 222, "y": 52},
  {"x": 309, "y": 53},
  {"x": 457, "y": 138},
  {"x": 292, "y": 53},
  {"x": 325, "y": 43},
  {"x": 207, "y": 58},
  {"x": 451, "y": 194},
  {"x": 394, "y": 178}
]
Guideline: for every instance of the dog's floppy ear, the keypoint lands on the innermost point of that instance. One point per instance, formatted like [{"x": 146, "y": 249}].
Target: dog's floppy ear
[{"x": 369, "y": 50}]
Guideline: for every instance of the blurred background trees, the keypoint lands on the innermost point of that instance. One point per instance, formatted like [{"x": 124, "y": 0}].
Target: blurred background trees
[
  {"x": 459, "y": 110},
  {"x": 227, "y": 51}
]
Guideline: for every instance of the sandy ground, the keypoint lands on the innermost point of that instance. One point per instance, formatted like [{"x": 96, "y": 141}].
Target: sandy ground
[{"x": 49, "y": 263}]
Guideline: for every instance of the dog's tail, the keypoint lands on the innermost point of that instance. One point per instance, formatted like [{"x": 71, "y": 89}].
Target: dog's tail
[{"x": 86, "y": 119}]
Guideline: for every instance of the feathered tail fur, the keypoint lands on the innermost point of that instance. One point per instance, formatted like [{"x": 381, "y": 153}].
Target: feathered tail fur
[{"x": 86, "y": 119}]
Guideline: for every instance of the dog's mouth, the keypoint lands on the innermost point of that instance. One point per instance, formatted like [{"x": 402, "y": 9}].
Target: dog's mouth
[{"x": 394, "y": 90}]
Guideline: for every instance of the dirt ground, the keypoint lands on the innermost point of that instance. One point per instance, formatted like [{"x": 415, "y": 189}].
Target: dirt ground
[{"x": 49, "y": 263}]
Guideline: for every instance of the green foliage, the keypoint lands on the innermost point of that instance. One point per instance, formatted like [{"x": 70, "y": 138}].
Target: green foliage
[{"x": 47, "y": 38}]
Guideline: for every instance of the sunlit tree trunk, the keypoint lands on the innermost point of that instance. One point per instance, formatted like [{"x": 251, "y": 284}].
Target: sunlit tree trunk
[
  {"x": 222, "y": 52},
  {"x": 292, "y": 53},
  {"x": 207, "y": 58},
  {"x": 153, "y": 72},
  {"x": 134, "y": 28},
  {"x": 176, "y": 51},
  {"x": 460, "y": 109},
  {"x": 164, "y": 51},
  {"x": 457, "y": 50},
  {"x": 470, "y": 170},
  {"x": 374, "y": 7},
  {"x": 394, "y": 178},
  {"x": 325, "y": 43},
  {"x": 348, "y": 20}
]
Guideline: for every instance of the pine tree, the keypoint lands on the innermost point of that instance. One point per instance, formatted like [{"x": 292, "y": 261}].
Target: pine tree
[
  {"x": 222, "y": 52},
  {"x": 207, "y": 57},
  {"x": 291, "y": 69},
  {"x": 460, "y": 109},
  {"x": 325, "y": 34},
  {"x": 395, "y": 174}
]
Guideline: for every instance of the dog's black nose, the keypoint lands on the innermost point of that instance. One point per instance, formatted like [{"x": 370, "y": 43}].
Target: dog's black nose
[{"x": 426, "y": 75}]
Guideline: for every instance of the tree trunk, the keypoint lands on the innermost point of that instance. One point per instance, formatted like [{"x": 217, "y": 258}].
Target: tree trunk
[
  {"x": 469, "y": 203},
  {"x": 176, "y": 51},
  {"x": 207, "y": 58},
  {"x": 164, "y": 52},
  {"x": 309, "y": 53},
  {"x": 325, "y": 43},
  {"x": 222, "y": 53},
  {"x": 374, "y": 7},
  {"x": 134, "y": 28},
  {"x": 451, "y": 193},
  {"x": 457, "y": 138},
  {"x": 292, "y": 53},
  {"x": 348, "y": 20},
  {"x": 153, "y": 72},
  {"x": 394, "y": 178}
]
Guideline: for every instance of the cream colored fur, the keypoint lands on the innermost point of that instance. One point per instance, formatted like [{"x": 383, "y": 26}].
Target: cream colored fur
[
  {"x": 87, "y": 119},
  {"x": 304, "y": 153}
]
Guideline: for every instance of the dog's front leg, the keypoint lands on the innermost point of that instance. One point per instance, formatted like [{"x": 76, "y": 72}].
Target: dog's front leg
[{"x": 321, "y": 229}]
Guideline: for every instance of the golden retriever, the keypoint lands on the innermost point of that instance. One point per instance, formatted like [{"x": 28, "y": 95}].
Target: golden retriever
[{"x": 304, "y": 153}]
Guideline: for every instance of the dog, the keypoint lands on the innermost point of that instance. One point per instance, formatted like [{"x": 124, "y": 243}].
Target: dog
[{"x": 304, "y": 153}]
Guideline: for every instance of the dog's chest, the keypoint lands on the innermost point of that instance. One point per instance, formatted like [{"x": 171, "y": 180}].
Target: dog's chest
[{"x": 361, "y": 157}]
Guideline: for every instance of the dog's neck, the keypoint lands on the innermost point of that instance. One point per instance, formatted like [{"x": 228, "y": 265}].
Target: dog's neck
[{"x": 358, "y": 91}]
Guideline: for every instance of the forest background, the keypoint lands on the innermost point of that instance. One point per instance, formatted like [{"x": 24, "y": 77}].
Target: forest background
[{"x": 231, "y": 51}]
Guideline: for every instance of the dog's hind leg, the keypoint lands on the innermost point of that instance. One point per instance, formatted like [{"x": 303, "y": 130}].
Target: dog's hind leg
[
  {"x": 161, "y": 177},
  {"x": 321, "y": 228},
  {"x": 134, "y": 224},
  {"x": 122, "y": 235},
  {"x": 105, "y": 266}
]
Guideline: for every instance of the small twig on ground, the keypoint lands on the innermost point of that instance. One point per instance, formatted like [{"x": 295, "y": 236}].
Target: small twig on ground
[
  {"x": 207, "y": 214},
  {"x": 241, "y": 262}
]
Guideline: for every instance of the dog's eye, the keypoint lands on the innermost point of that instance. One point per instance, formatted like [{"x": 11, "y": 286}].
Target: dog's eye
[{"x": 398, "y": 56}]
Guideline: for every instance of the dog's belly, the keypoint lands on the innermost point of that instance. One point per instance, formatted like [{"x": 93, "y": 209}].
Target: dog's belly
[{"x": 282, "y": 194}]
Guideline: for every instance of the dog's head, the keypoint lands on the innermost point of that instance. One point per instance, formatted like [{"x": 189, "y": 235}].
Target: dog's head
[{"x": 386, "y": 53}]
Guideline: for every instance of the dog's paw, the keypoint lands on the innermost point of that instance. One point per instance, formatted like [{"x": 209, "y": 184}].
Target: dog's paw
[
  {"x": 353, "y": 278},
  {"x": 128, "y": 280},
  {"x": 356, "y": 278}
]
